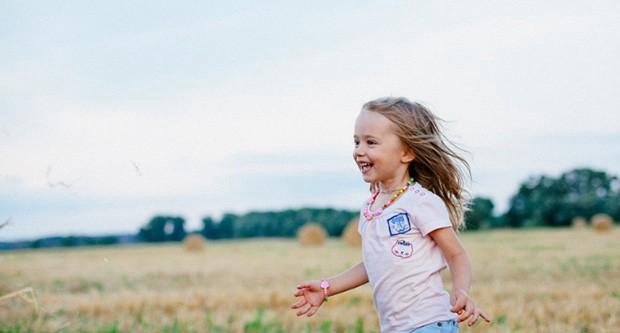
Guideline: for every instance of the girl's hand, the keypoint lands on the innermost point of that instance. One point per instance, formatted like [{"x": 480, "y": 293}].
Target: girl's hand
[
  {"x": 465, "y": 307},
  {"x": 312, "y": 295}
]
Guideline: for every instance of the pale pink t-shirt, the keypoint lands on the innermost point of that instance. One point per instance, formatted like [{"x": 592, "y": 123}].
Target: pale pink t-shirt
[{"x": 403, "y": 263}]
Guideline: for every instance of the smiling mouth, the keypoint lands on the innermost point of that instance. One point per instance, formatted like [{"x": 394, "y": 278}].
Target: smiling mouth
[{"x": 364, "y": 167}]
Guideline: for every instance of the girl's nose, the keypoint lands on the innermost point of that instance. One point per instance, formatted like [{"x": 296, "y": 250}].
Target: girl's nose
[{"x": 358, "y": 151}]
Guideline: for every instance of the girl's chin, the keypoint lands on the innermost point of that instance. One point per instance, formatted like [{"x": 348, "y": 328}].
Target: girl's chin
[{"x": 367, "y": 179}]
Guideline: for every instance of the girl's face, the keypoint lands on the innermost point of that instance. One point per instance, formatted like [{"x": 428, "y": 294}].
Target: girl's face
[{"x": 379, "y": 153}]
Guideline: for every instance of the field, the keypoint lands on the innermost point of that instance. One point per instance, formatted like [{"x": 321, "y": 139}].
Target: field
[{"x": 530, "y": 281}]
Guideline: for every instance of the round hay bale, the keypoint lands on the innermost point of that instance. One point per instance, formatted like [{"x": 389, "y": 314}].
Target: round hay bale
[
  {"x": 602, "y": 222},
  {"x": 194, "y": 243},
  {"x": 579, "y": 222},
  {"x": 350, "y": 234},
  {"x": 311, "y": 234}
]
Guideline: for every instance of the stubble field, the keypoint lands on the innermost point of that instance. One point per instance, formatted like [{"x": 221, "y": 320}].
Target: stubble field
[{"x": 530, "y": 281}]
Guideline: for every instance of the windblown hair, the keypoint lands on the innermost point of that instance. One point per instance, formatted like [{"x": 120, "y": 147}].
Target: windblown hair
[{"x": 436, "y": 166}]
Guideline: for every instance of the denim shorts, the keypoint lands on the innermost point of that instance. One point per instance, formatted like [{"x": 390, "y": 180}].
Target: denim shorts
[{"x": 446, "y": 326}]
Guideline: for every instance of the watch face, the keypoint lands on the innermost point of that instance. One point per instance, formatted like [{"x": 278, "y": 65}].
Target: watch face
[{"x": 324, "y": 284}]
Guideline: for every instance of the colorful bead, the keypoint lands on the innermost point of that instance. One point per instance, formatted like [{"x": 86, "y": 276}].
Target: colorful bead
[{"x": 369, "y": 215}]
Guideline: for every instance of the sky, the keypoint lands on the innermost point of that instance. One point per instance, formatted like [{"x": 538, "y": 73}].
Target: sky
[{"x": 114, "y": 111}]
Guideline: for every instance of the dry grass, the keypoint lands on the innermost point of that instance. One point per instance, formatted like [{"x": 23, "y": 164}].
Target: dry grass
[
  {"x": 26, "y": 294},
  {"x": 531, "y": 281}
]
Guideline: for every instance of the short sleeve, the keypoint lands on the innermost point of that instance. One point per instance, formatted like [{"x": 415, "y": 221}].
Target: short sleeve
[{"x": 430, "y": 213}]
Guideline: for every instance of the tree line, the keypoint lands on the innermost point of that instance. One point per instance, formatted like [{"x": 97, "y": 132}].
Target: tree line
[
  {"x": 253, "y": 224},
  {"x": 539, "y": 201},
  {"x": 544, "y": 201}
]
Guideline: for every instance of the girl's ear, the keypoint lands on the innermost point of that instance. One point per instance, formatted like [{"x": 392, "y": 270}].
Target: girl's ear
[{"x": 408, "y": 155}]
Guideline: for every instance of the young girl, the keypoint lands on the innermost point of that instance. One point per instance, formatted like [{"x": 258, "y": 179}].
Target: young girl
[{"x": 407, "y": 226}]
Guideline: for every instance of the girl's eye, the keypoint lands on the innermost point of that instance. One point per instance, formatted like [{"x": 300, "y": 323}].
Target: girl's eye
[
  {"x": 356, "y": 142},
  {"x": 371, "y": 142}
]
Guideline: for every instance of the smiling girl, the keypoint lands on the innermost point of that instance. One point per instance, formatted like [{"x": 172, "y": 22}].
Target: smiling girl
[{"x": 408, "y": 225}]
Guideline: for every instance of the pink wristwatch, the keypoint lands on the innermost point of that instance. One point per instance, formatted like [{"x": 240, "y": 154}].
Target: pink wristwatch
[{"x": 325, "y": 285}]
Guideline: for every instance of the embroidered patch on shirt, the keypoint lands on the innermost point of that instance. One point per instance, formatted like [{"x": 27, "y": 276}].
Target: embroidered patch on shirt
[
  {"x": 417, "y": 189},
  {"x": 402, "y": 248},
  {"x": 399, "y": 224}
]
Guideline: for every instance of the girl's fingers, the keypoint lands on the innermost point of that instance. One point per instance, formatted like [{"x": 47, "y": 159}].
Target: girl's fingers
[
  {"x": 313, "y": 310},
  {"x": 299, "y": 304},
  {"x": 303, "y": 312},
  {"x": 469, "y": 309},
  {"x": 304, "y": 285},
  {"x": 474, "y": 318},
  {"x": 299, "y": 292},
  {"x": 485, "y": 316},
  {"x": 460, "y": 303}
]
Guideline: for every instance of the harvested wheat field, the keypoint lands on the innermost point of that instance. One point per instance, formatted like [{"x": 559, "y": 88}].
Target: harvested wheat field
[{"x": 531, "y": 281}]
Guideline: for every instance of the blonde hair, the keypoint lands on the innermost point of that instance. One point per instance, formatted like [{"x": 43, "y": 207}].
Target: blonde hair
[{"x": 436, "y": 166}]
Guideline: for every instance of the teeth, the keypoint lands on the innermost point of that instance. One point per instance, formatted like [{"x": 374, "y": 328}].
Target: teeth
[{"x": 365, "y": 165}]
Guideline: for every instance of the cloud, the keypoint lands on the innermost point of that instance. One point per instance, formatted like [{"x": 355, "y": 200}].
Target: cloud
[{"x": 233, "y": 107}]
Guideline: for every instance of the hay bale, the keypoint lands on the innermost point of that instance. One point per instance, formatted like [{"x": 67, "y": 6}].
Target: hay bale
[
  {"x": 350, "y": 234},
  {"x": 194, "y": 243},
  {"x": 602, "y": 222},
  {"x": 311, "y": 234},
  {"x": 579, "y": 222}
]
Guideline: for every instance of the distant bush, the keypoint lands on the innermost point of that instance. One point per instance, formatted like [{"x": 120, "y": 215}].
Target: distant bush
[
  {"x": 480, "y": 215},
  {"x": 163, "y": 229},
  {"x": 275, "y": 223}
]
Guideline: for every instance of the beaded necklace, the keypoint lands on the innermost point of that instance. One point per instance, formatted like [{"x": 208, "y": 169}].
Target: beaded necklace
[{"x": 369, "y": 215}]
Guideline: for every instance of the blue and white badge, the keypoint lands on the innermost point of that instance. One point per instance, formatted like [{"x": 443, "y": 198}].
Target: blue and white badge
[{"x": 399, "y": 224}]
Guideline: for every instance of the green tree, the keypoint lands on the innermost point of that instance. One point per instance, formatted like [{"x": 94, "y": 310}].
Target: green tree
[
  {"x": 178, "y": 229},
  {"x": 276, "y": 224},
  {"x": 69, "y": 241},
  {"x": 226, "y": 227},
  {"x": 209, "y": 229},
  {"x": 163, "y": 228},
  {"x": 549, "y": 201},
  {"x": 480, "y": 215}
]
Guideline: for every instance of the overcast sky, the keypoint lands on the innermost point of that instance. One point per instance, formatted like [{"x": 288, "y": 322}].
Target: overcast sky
[{"x": 113, "y": 111}]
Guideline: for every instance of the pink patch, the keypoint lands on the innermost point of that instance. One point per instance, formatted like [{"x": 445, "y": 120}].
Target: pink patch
[{"x": 402, "y": 248}]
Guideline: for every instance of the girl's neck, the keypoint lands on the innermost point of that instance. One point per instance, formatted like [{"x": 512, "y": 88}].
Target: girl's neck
[{"x": 393, "y": 185}]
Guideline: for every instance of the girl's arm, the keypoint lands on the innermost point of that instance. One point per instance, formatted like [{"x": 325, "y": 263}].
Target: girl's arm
[
  {"x": 314, "y": 295},
  {"x": 460, "y": 270},
  {"x": 350, "y": 279}
]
